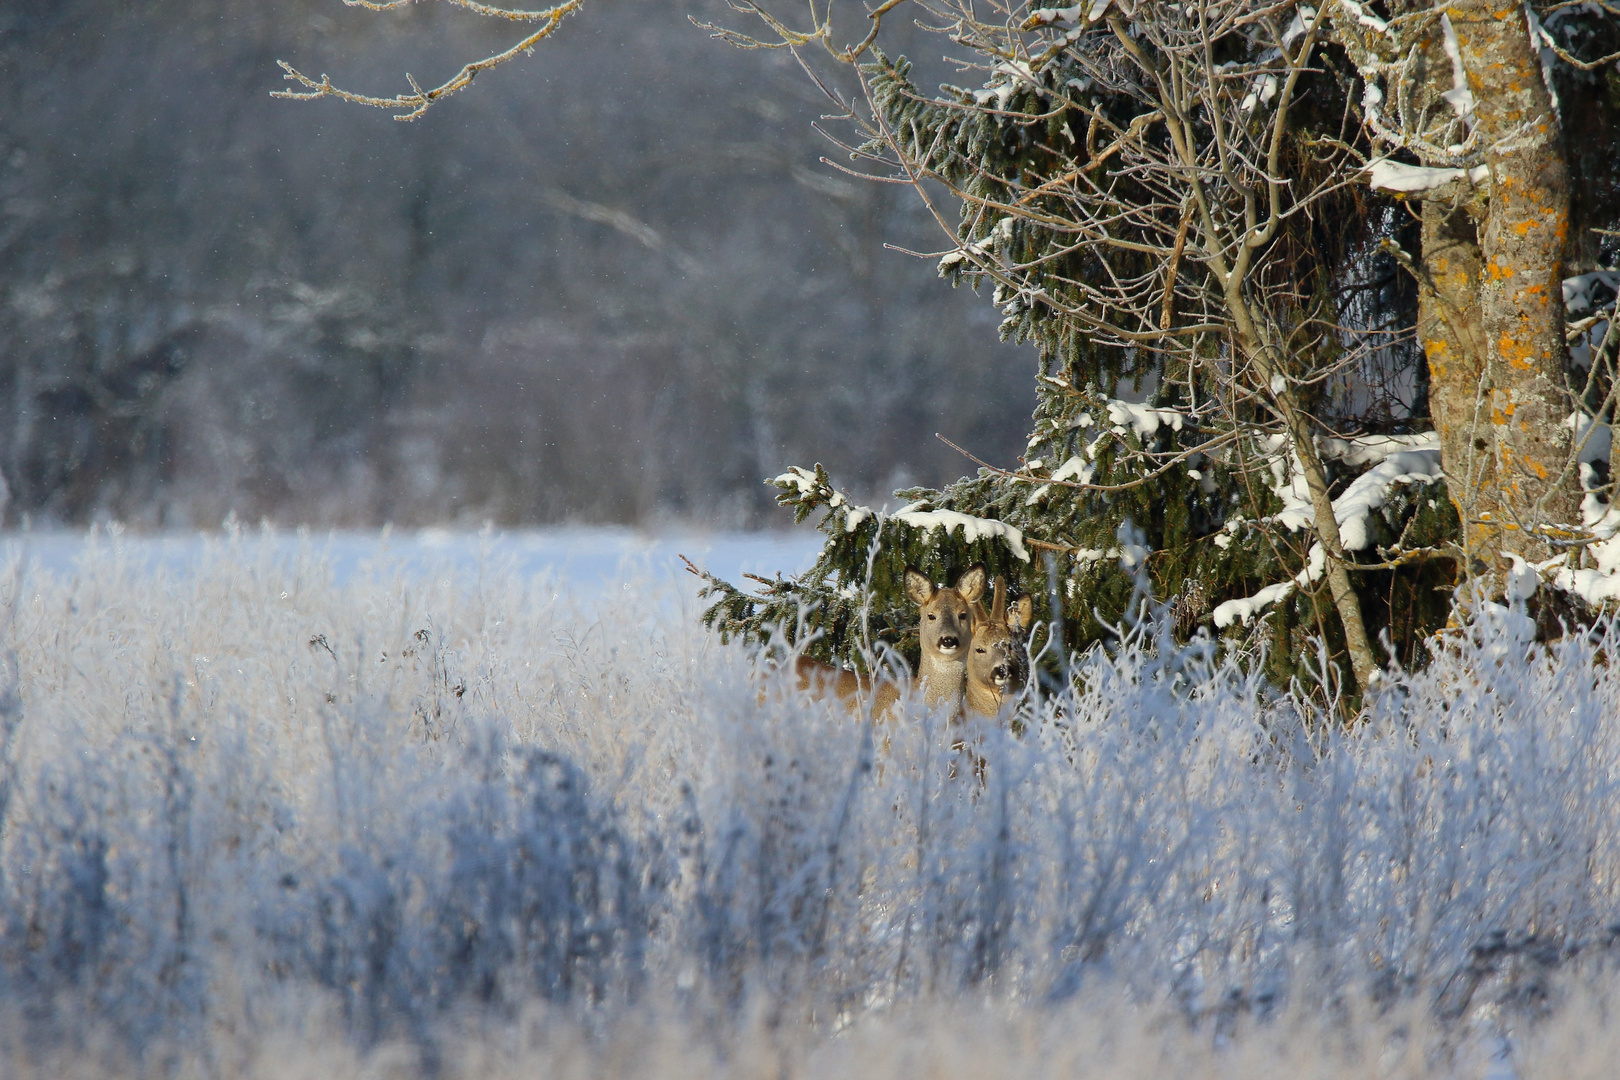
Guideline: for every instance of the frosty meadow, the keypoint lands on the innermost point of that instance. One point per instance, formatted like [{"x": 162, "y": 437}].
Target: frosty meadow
[
  {"x": 1320, "y": 778},
  {"x": 458, "y": 820}
]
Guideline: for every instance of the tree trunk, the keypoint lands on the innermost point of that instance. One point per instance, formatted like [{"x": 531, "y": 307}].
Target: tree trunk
[
  {"x": 1302, "y": 438},
  {"x": 1492, "y": 319},
  {"x": 1450, "y": 328}
]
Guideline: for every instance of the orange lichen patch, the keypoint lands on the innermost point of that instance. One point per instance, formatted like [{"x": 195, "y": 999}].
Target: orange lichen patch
[
  {"x": 1523, "y": 228},
  {"x": 1498, "y": 271},
  {"x": 1519, "y": 357}
]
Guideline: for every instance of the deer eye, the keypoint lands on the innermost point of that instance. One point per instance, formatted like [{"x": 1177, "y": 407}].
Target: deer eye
[
  {"x": 978, "y": 650},
  {"x": 931, "y": 618}
]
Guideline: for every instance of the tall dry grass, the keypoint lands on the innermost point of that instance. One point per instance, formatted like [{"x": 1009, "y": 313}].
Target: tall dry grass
[{"x": 258, "y": 822}]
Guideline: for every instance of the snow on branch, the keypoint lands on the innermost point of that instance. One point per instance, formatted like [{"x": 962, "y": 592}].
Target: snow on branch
[
  {"x": 1405, "y": 179},
  {"x": 804, "y": 489},
  {"x": 1585, "y": 292},
  {"x": 973, "y": 528},
  {"x": 1371, "y": 449},
  {"x": 1142, "y": 419},
  {"x": 1371, "y": 490},
  {"x": 1368, "y": 493}
]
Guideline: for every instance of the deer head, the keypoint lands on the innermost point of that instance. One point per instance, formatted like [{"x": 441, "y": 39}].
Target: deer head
[
  {"x": 945, "y": 626},
  {"x": 996, "y": 661}
]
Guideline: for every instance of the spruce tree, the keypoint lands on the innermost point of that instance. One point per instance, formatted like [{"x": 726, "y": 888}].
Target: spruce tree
[{"x": 1199, "y": 217}]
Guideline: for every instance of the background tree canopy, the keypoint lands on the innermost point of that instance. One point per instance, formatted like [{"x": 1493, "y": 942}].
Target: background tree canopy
[{"x": 610, "y": 285}]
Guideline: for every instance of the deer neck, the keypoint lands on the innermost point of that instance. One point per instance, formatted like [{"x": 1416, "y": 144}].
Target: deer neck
[
  {"x": 941, "y": 679},
  {"x": 982, "y": 698}
]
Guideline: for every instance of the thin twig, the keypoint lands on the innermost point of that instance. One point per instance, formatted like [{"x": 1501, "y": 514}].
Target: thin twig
[{"x": 418, "y": 101}]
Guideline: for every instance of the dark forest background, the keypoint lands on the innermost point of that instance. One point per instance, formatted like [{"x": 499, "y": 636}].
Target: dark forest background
[{"x": 610, "y": 283}]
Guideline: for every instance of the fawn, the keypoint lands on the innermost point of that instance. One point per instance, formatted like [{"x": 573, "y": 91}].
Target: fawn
[{"x": 944, "y": 625}]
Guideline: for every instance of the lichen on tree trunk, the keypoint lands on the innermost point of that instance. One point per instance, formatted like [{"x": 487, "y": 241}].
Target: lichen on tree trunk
[{"x": 1492, "y": 314}]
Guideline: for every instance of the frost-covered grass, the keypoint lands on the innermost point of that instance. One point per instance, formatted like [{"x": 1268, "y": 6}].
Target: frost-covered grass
[{"x": 260, "y": 823}]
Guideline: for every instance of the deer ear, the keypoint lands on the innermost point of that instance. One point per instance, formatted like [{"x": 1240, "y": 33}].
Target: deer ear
[
  {"x": 1023, "y": 613},
  {"x": 918, "y": 588},
  {"x": 971, "y": 584}
]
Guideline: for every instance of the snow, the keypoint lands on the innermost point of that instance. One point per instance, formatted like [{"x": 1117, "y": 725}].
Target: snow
[
  {"x": 801, "y": 478},
  {"x": 1584, "y": 291},
  {"x": 1131, "y": 555},
  {"x": 1061, "y": 15},
  {"x": 1288, "y": 484},
  {"x": 1386, "y": 175},
  {"x": 1593, "y": 438},
  {"x": 1142, "y": 419},
  {"x": 1459, "y": 97},
  {"x": 1595, "y": 585},
  {"x": 1400, "y": 459},
  {"x": 578, "y": 559},
  {"x": 1265, "y": 88},
  {"x": 804, "y": 481},
  {"x": 1077, "y": 470},
  {"x": 1600, "y": 582},
  {"x": 1549, "y": 59},
  {"x": 1370, "y": 491},
  {"x": 1246, "y": 609},
  {"x": 1228, "y": 533},
  {"x": 1371, "y": 449},
  {"x": 1090, "y": 11},
  {"x": 1300, "y": 26},
  {"x": 973, "y": 528},
  {"x": 1361, "y": 15},
  {"x": 1522, "y": 579},
  {"x": 1016, "y": 72}
]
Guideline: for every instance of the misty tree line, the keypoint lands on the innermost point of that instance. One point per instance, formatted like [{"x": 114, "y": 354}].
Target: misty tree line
[{"x": 618, "y": 286}]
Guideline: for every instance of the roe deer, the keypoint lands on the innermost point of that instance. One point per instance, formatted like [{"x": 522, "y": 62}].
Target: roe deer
[
  {"x": 944, "y": 626},
  {"x": 996, "y": 662}
]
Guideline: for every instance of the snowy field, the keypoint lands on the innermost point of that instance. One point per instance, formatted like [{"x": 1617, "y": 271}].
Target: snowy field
[{"x": 466, "y": 806}]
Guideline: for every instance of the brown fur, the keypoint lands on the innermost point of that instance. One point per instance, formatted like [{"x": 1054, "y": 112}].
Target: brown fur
[{"x": 996, "y": 662}]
